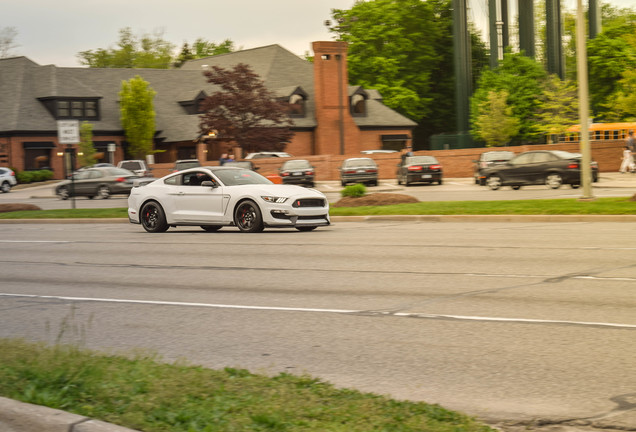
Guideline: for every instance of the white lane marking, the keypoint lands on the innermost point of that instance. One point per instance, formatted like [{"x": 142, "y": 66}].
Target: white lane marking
[
  {"x": 34, "y": 241},
  {"x": 169, "y": 303},
  {"x": 338, "y": 311},
  {"x": 516, "y": 320}
]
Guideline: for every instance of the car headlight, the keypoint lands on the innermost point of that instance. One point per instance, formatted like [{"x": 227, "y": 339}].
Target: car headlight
[{"x": 274, "y": 199}]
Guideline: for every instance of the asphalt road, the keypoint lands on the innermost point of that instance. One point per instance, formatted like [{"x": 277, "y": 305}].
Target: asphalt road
[{"x": 520, "y": 323}]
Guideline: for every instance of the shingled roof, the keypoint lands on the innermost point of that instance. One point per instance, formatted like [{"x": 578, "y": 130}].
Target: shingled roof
[{"x": 25, "y": 84}]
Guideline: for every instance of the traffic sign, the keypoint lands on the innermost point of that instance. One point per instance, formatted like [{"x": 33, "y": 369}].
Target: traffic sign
[{"x": 68, "y": 131}]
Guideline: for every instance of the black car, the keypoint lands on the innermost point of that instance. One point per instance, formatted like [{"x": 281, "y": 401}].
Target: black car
[
  {"x": 359, "y": 170},
  {"x": 550, "y": 167},
  {"x": 419, "y": 169},
  {"x": 299, "y": 172},
  {"x": 488, "y": 159}
]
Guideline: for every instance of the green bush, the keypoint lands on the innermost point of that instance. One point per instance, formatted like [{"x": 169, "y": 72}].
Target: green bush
[
  {"x": 34, "y": 176},
  {"x": 356, "y": 190},
  {"x": 24, "y": 177}
]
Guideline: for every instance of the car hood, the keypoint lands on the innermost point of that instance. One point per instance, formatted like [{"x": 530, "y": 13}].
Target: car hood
[{"x": 282, "y": 190}]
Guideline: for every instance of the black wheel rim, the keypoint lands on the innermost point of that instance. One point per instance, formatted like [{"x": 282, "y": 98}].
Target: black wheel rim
[
  {"x": 150, "y": 216},
  {"x": 246, "y": 216}
]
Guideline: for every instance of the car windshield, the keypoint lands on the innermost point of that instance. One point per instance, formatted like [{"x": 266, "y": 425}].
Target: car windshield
[
  {"x": 240, "y": 176},
  {"x": 496, "y": 156},
  {"x": 131, "y": 165},
  {"x": 185, "y": 165},
  {"x": 119, "y": 172},
  {"x": 566, "y": 155},
  {"x": 240, "y": 164},
  {"x": 297, "y": 164},
  {"x": 359, "y": 163},
  {"x": 413, "y": 160}
]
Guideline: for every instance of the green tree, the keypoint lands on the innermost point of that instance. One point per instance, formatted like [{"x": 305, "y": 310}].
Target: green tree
[
  {"x": 138, "y": 116},
  {"x": 495, "y": 124},
  {"x": 522, "y": 78},
  {"x": 86, "y": 149},
  {"x": 202, "y": 48},
  {"x": 145, "y": 51},
  {"x": 559, "y": 107},
  {"x": 404, "y": 49},
  {"x": 621, "y": 106},
  {"x": 245, "y": 111}
]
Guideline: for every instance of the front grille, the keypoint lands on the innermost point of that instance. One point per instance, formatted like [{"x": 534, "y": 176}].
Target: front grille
[{"x": 309, "y": 202}]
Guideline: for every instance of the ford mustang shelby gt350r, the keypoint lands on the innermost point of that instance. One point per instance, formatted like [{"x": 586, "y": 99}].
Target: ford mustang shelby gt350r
[{"x": 213, "y": 197}]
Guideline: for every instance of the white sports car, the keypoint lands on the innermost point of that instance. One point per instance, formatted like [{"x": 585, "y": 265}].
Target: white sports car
[{"x": 213, "y": 197}]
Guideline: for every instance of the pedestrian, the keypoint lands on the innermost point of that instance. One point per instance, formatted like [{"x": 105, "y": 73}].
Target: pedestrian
[
  {"x": 230, "y": 158},
  {"x": 631, "y": 142},
  {"x": 223, "y": 159},
  {"x": 628, "y": 161}
]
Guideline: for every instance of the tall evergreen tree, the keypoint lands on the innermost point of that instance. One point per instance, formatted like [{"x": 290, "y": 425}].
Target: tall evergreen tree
[{"x": 138, "y": 116}]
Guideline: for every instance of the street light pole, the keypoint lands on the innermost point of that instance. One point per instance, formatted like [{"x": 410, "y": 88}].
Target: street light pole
[{"x": 581, "y": 63}]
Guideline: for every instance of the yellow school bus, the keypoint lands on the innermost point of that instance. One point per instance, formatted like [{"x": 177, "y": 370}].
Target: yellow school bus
[{"x": 599, "y": 132}]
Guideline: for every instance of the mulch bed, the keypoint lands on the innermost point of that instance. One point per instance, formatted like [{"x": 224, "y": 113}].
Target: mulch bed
[
  {"x": 4, "y": 208},
  {"x": 375, "y": 199}
]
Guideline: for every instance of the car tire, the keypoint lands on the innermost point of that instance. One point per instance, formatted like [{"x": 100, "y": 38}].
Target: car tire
[
  {"x": 575, "y": 185},
  {"x": 306, "y": 228},
  {"x": 440, "y": 181},
  {"x": 399, "y": 180},
  {"x": 494, "y": 182},
  {"x": 343, "y": 184},
  {"x": 248, "y": 218},
  {"x": 211, "y": 228},
  {"x": 516, "y": 187},
  {"x": 63, "y": 193},
  {"x": 553, "y": 181},
  {"x": 153, "y": 218},
  {"x": 103, "y": 192},
  {"x": 5, "y": 187}
]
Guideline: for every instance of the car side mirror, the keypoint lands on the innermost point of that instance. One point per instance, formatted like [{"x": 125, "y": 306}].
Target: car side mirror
[{"x": 209, "y": 183}]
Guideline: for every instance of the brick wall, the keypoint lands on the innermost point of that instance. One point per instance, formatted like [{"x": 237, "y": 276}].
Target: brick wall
[{"x": 456, "y": 163}]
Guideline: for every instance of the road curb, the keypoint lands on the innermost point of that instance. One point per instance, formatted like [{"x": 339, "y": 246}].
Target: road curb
[{"x": 16, "y": 416}]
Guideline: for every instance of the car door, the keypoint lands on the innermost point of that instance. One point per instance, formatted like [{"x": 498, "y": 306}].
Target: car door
[
  {"x": 82, "y": 182},
  {"x": 520, "y": 169},
  {"x": 197, "y": 204}
]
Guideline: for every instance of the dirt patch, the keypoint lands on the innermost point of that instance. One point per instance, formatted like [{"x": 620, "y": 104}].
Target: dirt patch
[
  {"x": 375, "y": 199},
  {"x": 4, "y": 208}
]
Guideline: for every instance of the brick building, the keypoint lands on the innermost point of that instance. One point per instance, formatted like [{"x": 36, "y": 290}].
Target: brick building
[{"x": 330, "y": 116}]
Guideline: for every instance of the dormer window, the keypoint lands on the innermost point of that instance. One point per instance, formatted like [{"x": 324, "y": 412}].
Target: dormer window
[
  {"x": 192, "y": 104},
  {"x": 358, "y": 105},
  {"x": 80, "y": 109},
  {"x": 296, "y": 106}
]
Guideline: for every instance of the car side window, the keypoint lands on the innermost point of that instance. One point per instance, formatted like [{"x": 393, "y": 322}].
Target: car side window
[
  {"x": 195, "y": 178},
  {"x": 523, "y": 159},
  {"x": 94, "y": 174},
  {"x": 543, "y": 157}
]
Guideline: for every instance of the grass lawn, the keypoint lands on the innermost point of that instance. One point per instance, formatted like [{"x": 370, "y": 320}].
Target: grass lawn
[
  {"x": 600, "y": 206},
  {"x": 148, "y": 395}
]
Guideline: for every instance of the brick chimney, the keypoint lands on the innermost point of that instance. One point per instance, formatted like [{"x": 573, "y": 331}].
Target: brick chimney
[{"x": 336, "y": 132}]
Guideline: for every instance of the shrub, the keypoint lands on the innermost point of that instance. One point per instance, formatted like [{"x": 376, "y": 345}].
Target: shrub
[
  {"x": 33, "y": 176},
  {"x": 356, "y": 190},
  {"x": 24, "y": 177}
]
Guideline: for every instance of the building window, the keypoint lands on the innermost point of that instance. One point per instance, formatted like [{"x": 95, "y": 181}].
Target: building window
[
  {"x": 296, "y": 106},
  {"x": 358, "y": 105},
  {"x": 77, "y": 109}
]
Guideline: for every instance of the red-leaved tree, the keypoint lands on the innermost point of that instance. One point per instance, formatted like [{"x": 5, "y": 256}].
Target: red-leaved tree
[{"x": 243, "y": 110}]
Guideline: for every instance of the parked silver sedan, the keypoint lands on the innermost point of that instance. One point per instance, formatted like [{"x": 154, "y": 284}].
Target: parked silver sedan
[{"x": 101, "y": 182}]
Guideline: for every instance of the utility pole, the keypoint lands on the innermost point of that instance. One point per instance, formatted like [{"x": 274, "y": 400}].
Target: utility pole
[{"x": 581, "y": 66}]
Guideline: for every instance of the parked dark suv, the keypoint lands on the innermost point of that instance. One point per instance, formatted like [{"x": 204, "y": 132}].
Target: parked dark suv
[
  {"x": 359, "y": 170},
  {"x": 488, "y": 159},
  {"x": 552, "y": 168}
]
